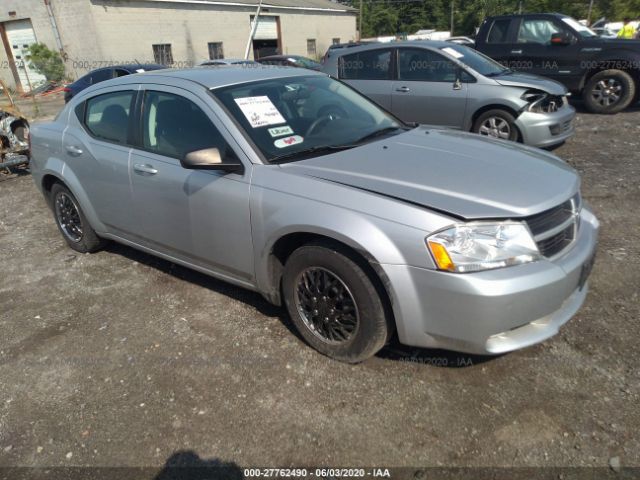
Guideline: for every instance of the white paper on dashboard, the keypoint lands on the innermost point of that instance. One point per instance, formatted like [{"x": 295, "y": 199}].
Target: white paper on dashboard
[{"x": 259, "y": 111}]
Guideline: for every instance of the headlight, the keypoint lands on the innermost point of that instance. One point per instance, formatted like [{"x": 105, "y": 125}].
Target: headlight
[
  {"x": 481, "y": 246},
  {"x": 541, "y": 102}
]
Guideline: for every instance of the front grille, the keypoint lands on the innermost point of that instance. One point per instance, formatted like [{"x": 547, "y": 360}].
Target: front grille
[
  {"x": 555, "y": 229},
  {"x": 558, "y": 128}
]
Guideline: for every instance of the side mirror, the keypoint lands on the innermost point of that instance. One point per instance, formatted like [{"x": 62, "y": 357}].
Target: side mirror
[
  {"x": 561, "y": 38},
  {"x": 210, "y": 159}
]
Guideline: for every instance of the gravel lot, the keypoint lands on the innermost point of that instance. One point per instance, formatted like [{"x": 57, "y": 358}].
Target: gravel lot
[{"x": 122, "y": 359}]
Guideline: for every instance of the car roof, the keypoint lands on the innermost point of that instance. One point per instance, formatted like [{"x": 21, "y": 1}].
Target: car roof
[
  {"x": 403, "y": 43},
  {"x": 213, "y": 76},
  {"x": 514, "y": 15},
  {"x": 137, "y": 66}
]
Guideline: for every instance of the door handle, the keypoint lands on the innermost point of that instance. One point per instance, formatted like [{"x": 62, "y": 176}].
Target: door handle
[
  {"x": 144, "y": 168},
  {"x": 73, "y": 150},
  {"x": 517, "y": 52},
  {"x": 403, "y": 89}
]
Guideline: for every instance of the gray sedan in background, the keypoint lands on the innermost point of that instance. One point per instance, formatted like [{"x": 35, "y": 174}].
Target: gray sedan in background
[
  {"x": 361, "y": 225},
  {"x": 442, "y": 83}
]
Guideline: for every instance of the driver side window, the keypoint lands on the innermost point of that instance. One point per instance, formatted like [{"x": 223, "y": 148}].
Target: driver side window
[
  {"x": 537, "y": 31},
  {"x": 174, "y": 126},
  {"x": 418, "y": 64}
]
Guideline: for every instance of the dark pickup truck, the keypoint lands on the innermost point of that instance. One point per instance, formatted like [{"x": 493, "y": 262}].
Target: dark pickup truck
[{"x": 606, "y": 72}]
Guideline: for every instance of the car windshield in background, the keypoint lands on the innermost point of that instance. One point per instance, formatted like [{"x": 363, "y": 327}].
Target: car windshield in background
[
  {"x": 297, "y": 117},
  {"x": 306, "y": 62},
  {"x": 583, "y": 31},
  {"x": 474, "y": 59}
]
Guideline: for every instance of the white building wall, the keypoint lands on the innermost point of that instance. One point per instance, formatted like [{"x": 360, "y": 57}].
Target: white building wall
[
  {"x": 298, "y": 27},
  {"x": 95, "y": 33}
]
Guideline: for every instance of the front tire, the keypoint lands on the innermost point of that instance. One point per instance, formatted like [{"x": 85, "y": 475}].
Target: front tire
[
  {"x": 497, "y": 124},
  {"x": 609, "y": 91},
  {"x": 72, "y": 223},
  {"x": 334, "y": 304}
]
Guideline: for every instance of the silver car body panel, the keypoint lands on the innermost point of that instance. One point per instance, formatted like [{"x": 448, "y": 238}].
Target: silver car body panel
[
  {"x": 457, "y": 106},
  {"x": 381, "y": 199}
]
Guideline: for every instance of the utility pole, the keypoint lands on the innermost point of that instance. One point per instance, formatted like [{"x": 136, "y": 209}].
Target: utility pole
[
  {"x": 253, "y": 30},
  {"x": 589, "y": 13},
  {"x": 360, "y": 23},
  {"x": 520, "y": 6},
  {"x": 452, "y": 7}
]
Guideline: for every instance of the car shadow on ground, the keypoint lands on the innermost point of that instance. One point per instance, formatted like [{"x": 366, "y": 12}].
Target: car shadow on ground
[
  {"x": 187, "y": 465},
  {"x": 393, "y": 351}
]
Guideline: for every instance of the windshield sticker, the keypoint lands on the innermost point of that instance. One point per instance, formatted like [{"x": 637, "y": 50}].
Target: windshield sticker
[
  {"x": 259, "y": 111},
  {"x": 140, "y": 70},
  {"x": 288, "y": 141},
  {"x": 280, "y": 131},
  {"x": 452, "y": 52}
]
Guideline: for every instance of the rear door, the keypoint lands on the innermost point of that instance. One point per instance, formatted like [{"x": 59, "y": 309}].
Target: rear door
[
  {"x": 200, "y": 216},
  {"x": 96, "y": 145},
  {"x": 496, "y": 41},
  {"x": 370, "y": 72},
  {"x": 428, "y": 89}
]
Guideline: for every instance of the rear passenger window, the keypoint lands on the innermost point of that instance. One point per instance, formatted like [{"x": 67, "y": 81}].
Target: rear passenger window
[
  {"x": 174, "y": 126},
  {"x": 498, "y": 31},
  {"x": 367, "y": 65},
  {"x": 107, "y": 116}
]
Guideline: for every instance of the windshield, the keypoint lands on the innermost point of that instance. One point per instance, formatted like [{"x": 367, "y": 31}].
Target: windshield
[
  {"x": 583, "y": 31},
  {"x": 294, "y": 117},
  {"x": 305, "y": 62},
  {"x": 475, "y": 60}
]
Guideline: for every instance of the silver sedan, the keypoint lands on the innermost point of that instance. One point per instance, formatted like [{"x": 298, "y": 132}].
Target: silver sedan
[
  {"x": 360, "y": 224},
  {"x": 442, "y": 83}
]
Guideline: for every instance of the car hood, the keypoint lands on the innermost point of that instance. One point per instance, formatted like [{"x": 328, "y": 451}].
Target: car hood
[
  {"x": 461, "y": 174},
  {"x": 528, "y": 80}
]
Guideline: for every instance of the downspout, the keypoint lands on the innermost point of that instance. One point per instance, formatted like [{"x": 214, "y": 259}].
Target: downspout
[{"x": 54, "y": 26}]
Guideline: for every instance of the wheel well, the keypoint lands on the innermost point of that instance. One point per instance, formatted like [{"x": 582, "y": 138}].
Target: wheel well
[
  {"x": 287, "y": 244},
  {"x": 47, "y": 184},
  {"x": 601, "y": 68},
  {"x": 486, "y": 108}
]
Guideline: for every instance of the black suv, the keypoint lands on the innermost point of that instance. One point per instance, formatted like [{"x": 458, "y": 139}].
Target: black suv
[{"x": 606, "y": 72}]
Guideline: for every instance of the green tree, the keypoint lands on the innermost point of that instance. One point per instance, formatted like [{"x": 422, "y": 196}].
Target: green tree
[{"x": 46, "y": 62}]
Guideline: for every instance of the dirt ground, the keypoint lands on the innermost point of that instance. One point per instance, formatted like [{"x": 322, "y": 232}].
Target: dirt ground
[{"x": 122, "y": 359}]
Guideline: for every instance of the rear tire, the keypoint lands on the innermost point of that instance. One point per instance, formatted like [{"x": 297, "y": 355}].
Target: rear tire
[
  {"x": 496, "y": 123},
  {"x": 334, "y": 304},
  {"x": 72, "y": 223},
  {"x": 609, "y": 91}
]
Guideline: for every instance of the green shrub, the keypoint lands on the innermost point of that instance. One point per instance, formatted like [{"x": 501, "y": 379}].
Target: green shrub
[{"x": 46, "y": 62}]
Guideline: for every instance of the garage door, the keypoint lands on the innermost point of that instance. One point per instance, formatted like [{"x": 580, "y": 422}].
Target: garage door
[
  {"x": 267, "y": 29},
  {"x": 20, "y": 35}
]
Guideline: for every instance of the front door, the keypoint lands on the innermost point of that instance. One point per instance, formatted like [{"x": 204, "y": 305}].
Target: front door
[
  {"x": 534, "y": 52},
  {"x": 429, "y": 89},
  {"x": 199, "y": 216}
]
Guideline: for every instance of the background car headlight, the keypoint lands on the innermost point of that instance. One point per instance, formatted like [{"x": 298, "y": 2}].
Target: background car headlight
[{"x": 482, "y": 246}]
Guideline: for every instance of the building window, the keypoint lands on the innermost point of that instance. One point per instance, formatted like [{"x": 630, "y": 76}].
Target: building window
[
  {"x": 162, "y": 54},
  {"x": 311, "y": 47},
  {"x": 335, "y": 41},
  {"x": 215, "y": 51}
]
